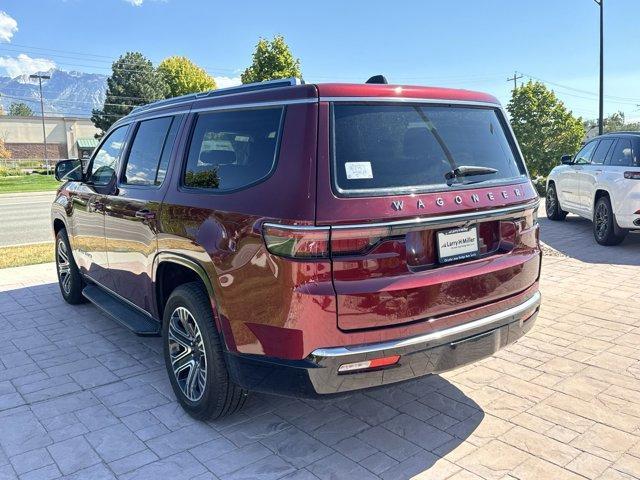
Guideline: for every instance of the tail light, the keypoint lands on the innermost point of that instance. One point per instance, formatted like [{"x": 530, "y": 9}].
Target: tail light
[
  {"x": 297, "y": 241},
  {"x": 632, "y": 175},
  {"x": 319, "y": 242}
]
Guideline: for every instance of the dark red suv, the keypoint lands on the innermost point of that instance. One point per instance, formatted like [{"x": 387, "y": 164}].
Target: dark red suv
[{"x": 305, "y": 239}]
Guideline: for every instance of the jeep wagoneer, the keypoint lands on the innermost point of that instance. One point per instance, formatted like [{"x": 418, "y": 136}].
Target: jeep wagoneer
[{"x": 305, "y": 240}]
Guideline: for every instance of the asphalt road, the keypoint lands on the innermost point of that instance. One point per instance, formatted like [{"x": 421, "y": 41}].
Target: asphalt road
[{"x": 24, "y": 218}]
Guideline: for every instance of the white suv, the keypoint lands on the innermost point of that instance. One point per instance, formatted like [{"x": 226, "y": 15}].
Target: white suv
[{"x": 601, "y": 183}]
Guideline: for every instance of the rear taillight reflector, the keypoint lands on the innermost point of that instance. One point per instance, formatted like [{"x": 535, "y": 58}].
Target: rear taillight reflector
[
  {"x": 632, "y": 175},
  {"x": 297, "y": 241},
  {"x": 369, "y": 364}
]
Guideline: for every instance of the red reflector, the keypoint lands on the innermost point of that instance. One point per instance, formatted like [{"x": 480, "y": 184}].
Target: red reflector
[
  {"x": 368, "y": 364},
  {"x": 632, "y": 175}
]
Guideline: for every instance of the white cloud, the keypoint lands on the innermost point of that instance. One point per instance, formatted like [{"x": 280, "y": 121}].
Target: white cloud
[
  {"x": 25, "y": 65},
  {"x": 8, "y": 26},
  {"x": 224, "y": 82},
  {"x": 135, "y": 3}
]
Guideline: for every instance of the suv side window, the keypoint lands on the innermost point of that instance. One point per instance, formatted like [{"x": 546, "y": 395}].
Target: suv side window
[
  {"x": 233, "y": 149},
  {"x": 600, "y": 153},
  {"x": 622, "y": 154},
  {"x": 584, "y": 155},
  {"x": 103, "y": 166},
  {"x": 150, "y": 150}
]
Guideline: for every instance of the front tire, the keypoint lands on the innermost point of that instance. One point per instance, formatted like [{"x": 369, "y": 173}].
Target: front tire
[
  {"x": 605, "y": 229},
  {"x": 69, "y": 277},
  {"x": 194, "y": 357},
  {"x": 552, "y": 205}
]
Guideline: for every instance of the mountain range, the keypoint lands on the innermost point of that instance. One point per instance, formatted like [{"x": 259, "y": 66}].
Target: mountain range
[{"x": 65, "y": 94}]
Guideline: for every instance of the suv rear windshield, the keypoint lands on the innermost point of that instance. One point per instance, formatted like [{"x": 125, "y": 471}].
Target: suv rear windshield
[{"x": 393, "y": 148}]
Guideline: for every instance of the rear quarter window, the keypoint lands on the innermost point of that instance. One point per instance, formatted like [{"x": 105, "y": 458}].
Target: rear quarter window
[
  {"x": 231, "y": 150},
  {"x": 391, "y": 148}
]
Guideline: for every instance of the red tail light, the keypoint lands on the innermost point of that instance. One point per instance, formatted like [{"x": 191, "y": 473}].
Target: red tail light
[
  {"x": 319, "y": 242},
  {"x": 350, "y": 241},
  {"x": 297, "y": 241},
  {"x": 632, "y": 175}
]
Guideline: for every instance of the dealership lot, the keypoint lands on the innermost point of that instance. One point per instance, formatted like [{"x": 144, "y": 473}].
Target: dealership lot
[{"x": 80, "y": 395}]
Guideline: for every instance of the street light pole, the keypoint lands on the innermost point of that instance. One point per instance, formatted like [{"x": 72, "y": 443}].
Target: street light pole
[
  {"x": 601, "y": 100},
  {"x": 44, "y": 131}
]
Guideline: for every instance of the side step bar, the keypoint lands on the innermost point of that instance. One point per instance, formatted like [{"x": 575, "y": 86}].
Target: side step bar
[{"x": 128, "y": 316}]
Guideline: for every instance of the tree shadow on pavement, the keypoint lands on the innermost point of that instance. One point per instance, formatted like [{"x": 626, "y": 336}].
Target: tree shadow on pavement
[{"x": 573, "y": 237}]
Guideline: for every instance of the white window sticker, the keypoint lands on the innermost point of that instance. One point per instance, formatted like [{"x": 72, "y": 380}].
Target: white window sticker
[{"x": 358, "y": 170}]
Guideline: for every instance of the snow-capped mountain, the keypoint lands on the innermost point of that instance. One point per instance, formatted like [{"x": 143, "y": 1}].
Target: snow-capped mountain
[{"x": 65, "y": 94}]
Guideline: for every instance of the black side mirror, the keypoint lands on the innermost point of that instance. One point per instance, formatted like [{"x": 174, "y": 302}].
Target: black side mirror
[
  {"x": 566, "y": 160},
  {"x": 69, "y": 170}
]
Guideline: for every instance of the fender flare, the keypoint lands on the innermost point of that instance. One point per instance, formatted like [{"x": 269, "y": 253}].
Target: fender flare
[{"x": 167, "y": 257}]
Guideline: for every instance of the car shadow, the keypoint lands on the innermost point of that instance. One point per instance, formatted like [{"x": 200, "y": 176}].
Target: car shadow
[
  {"x": 414, "y": 423},
  {"x": 573, "y": 238}
]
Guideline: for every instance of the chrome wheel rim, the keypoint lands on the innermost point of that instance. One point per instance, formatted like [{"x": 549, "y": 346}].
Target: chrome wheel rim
[
  {"x": 64, "y": 267},
  {"x": 187, "y": 354},
  {"x": 601, "y": 220},
  {"x": 551, "y": 201}
]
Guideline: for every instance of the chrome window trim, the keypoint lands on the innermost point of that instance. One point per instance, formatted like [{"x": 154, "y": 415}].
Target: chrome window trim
[
  {"x": 440, "y": 335},
  {"x": 438, "y": 101}
]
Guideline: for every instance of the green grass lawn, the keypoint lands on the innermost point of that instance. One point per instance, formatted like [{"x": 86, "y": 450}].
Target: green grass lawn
[
  {"x": 28, "y": 183},
  {"x": 26, "y": 255}
]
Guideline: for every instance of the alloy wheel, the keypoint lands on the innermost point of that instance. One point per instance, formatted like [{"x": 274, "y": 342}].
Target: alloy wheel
[
  {"x": 601, "y": 220},
  {"x": 188, "y": 356},
  {"x": 64, "y": 267},
  {"x": 551, "y": 201}
]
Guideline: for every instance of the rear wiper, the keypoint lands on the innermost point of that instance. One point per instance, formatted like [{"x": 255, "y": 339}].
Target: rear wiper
[{"x": 468, "y": 171}]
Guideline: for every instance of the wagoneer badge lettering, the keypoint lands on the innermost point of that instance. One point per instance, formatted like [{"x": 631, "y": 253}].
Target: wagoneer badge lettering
[{"x": 398, "y": 205}]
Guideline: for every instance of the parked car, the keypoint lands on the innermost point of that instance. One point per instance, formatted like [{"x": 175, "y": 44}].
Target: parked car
[
  {"x": 305, "y": 240},
  {"x": 600, "y": 183}
]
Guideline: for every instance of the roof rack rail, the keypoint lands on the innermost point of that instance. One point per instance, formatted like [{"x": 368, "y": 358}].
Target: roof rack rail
[{"x": 249, "y": 87}]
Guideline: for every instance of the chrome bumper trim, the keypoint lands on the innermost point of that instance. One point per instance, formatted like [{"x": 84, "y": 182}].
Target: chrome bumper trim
[{"x": 440, "y": 335}]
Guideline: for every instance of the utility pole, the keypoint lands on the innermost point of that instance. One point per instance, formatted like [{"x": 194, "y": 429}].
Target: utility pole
[
  {"x": 514, "y": 79},
  {"x": 44, "y": 131},
  {"x": 601, "y": 100}
]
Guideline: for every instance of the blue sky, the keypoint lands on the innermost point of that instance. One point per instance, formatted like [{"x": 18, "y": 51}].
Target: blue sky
[{"x": 459, "y": 43}]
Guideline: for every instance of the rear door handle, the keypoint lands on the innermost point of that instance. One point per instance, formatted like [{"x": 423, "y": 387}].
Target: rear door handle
[{"x": 145, "y": 214}]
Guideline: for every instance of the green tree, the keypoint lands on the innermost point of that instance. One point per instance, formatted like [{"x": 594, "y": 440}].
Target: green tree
[
  {"x": 133, "y": 82},
  {"x": 545, "y": 129},
  {"x": 272, "y": 59},
  {"x": 182, "y": 76},
  {"x": 613, "y": 123},
  {"x": 20, "y": 109}
]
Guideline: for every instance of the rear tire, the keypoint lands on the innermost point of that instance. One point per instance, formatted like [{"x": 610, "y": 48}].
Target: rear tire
[
  {"x": 605, "y": 230},
  {"x": 69, "y": 277},
  {"x": 552, "y": 205},
  {"x": 194, "y": 356}
]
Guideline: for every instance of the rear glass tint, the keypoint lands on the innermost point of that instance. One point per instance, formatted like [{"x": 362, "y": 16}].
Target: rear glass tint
[{"x": 390, "y": 147}]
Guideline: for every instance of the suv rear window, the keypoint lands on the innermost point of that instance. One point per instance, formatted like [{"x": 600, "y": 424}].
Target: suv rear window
[
  {"x": 393, "y": 148},
  {"x": 233, "y": 149}
]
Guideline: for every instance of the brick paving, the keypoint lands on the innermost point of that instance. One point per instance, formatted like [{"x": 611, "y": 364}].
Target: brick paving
[{"x": 80, "y": 397}]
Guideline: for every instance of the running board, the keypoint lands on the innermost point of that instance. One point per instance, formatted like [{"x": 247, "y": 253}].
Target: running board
[{"x": 128, "y": 316}]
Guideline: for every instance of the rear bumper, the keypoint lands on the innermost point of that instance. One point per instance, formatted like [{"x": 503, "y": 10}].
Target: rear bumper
[{"x": 433, "y": 352}]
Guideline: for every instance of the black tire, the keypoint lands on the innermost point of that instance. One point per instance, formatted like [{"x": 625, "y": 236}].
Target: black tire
[
  {"x": 213, "y": 395},
  {"x": 69, "y": 278},
  {"x": 605, "y": 230},
  {"x": 552, "y": 205}
]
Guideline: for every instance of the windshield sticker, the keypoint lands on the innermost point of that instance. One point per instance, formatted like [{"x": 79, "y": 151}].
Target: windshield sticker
[{"x": 358, "y": 170}]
